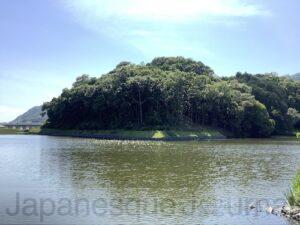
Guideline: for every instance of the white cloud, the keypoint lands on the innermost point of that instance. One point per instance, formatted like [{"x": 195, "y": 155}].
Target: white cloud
[
  {"x": 155, "y": 27},
  {"x": 163, "y": 10},
  {"x": 8, "y": 113}
]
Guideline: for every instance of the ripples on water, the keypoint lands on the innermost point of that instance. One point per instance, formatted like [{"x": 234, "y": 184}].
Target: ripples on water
[{"x": 140, "y": 182}]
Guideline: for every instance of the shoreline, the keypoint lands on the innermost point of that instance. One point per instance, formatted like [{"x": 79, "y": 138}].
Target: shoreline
[
  {"x": 142, "y": 135},
  {"x": 290, "y": 213},
  {"x": 200, "y": 134}
]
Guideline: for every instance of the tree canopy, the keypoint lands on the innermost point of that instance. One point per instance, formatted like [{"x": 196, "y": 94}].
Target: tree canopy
[{"x": 175, "y": 91}]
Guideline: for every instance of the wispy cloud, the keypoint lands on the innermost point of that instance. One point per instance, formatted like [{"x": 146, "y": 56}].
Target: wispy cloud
[
  {"x": 155, "y": 27},
  {"x": 164, "y": 10}
]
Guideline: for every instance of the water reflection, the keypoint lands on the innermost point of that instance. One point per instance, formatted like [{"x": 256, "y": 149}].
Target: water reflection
[
  {"x": 192, "y": 182},
  {"x": 201, "y": 175}
]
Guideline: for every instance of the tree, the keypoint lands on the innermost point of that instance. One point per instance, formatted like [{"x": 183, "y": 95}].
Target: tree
[{"x": 176, "y": 91}]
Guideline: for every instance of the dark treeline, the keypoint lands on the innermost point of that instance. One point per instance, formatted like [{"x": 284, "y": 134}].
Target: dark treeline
[{"x": 175, "y": 91}]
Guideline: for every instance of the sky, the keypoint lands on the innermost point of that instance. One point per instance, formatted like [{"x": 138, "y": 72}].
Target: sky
[{"x": 45, "y": 45}]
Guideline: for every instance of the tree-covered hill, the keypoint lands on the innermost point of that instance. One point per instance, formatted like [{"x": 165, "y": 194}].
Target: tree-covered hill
[{"x": 177, "y": 92}]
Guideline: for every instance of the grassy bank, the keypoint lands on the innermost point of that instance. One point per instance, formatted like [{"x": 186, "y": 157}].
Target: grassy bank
[
  {"x": 200, "y": 133},
  {"x": 4, "y": 130},
  {"x": 293, "y": 197},
  {"x": 172, "y": 134}
]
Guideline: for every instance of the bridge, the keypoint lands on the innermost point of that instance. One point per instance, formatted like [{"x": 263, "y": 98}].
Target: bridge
[{"x": 22, "y": 126}]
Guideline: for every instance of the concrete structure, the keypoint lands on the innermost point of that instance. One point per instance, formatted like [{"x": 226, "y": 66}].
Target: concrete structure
[{"x": 22, "y": 126}]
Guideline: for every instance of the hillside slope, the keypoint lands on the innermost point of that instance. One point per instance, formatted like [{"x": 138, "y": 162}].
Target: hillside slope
[{"x": 31, "y": 117}]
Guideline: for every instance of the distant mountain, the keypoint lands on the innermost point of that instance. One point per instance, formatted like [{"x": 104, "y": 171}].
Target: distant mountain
[
  {"x": 31, "y": 117},
  {"x": 294, "y": 77}
]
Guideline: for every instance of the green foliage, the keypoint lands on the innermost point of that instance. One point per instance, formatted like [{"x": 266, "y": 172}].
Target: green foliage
[
  {"x": 280, "y": 95},
  {"x": 176, "y": 92},
  {"x": 256, "y": 122},
  {"x": 181, "y": 64}
]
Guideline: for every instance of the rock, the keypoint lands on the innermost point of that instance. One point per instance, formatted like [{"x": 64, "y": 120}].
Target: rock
[
  {"x": 291, "y": 212},
  {"x": 296, "y": 216},
  {"x": 285, "y": 209},
  {"x": 270, "y": 210},
  {"x": 295, "y": 211},
  {"x": 252, "y": 207}
]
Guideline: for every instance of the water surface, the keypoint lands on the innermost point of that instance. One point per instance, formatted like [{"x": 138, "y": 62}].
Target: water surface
[{"x": 55, "y": 180}]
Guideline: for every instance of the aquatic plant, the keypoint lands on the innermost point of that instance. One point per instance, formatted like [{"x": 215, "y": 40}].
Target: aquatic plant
[{"x": 293, "y": 196}]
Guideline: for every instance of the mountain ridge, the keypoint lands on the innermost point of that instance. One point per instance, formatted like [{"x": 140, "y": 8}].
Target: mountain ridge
[{"x": 31, "y": 117}]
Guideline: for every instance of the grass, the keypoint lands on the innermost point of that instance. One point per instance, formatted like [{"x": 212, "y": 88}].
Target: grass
[
  {"x": 155, "y": 134},
  {"x": 159, "y": 134},
  {"x": 293, "y": 196},
  {"x": 34, "y": 130},
  {"x": 4, "y": 130},
  {"x": 197, "y": 133},
  {"x": 176, "y": 133}
]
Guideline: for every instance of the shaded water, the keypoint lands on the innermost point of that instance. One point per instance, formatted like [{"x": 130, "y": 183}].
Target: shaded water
[{"x": 54, "y": 180}]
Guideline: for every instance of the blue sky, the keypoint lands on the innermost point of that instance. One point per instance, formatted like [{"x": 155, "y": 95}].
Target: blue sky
[{"x": 45, "y": 45}]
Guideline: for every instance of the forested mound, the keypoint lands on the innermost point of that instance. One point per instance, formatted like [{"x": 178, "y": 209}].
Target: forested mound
[{"x": 177, "y": 92}]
